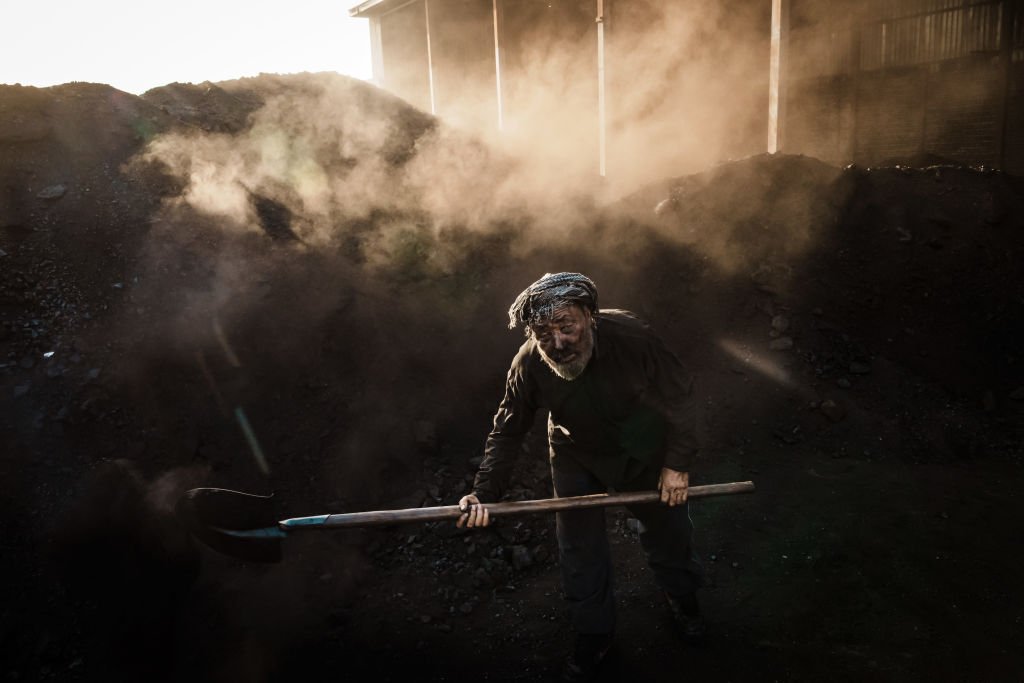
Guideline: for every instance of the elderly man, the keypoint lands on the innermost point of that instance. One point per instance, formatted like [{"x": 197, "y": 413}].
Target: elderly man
[{"x": 620, "y": 416}]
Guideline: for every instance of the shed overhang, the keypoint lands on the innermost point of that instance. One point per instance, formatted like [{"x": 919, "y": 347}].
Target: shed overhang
[{"x": 374, "y": 8}]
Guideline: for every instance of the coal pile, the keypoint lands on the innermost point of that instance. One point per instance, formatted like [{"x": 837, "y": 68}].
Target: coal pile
[
  {"x": 297, "y": 285},
  {"x": 888, "y": 294}
]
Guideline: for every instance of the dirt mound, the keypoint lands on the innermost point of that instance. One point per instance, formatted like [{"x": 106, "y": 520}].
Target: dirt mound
[
  {"x": 297, "y": 284},
  {"x": 206, "y": 106}
]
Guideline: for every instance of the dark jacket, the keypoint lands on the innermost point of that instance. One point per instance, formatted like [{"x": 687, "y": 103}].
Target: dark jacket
[{"x": 630, "y": 409}]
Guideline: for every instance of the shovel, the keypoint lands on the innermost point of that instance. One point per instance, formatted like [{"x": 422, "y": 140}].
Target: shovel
[{"x": 243, "y": 525}]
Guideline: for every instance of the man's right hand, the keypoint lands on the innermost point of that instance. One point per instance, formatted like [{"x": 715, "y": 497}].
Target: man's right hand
[{"x": 474, "y": 513}]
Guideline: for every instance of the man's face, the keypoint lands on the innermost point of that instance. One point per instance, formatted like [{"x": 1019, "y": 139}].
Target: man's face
[{"x": 566, "y": 340}]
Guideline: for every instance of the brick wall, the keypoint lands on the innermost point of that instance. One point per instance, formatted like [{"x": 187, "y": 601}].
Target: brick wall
[
  {"x": 889, "y": 114},
  {"x": 819, "y": 118},
  {"x": 404, "y": 48},
  {"x": 951, "y": 110},
  {"x": 1013, "y": 146},
  {"x": 964, "y": 110}
]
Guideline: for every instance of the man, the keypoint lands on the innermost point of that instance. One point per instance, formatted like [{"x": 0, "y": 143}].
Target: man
[{"x": 620, "y": 416}]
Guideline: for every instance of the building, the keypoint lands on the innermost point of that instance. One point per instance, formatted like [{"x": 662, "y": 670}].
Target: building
[
  {"x": 907, "y": 80},
  {"x": 641, "y": 88}
]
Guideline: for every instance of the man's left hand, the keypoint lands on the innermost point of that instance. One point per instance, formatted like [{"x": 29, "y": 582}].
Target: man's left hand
[{"x": 673, "y": 486}]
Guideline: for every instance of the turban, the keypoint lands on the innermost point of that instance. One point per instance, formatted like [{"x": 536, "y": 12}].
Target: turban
[{"x": 540, "y": 300}]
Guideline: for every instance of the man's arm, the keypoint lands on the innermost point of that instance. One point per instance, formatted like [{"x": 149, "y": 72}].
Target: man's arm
[
  {"x": 672, "y": 396},
  {"x": 511, "y": 423}
]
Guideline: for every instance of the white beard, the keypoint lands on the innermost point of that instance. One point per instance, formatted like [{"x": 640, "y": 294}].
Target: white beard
[
  {"x": 574, "y": 368},
  {"x": 567, "y": 371}
]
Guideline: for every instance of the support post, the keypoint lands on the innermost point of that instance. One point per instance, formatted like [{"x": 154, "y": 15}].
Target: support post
[
  {"x": 1007, "y": 16},
  {"x": 777, "y": 79},
  {"x": 376, "y": 52},
  {"x": 602, "y": 111},
  {"x": 430, "y": 59},
  {"x": 498, "y": 20}
]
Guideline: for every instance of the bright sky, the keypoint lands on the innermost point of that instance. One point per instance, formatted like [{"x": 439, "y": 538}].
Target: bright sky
[{"x": 137, "y": 45}]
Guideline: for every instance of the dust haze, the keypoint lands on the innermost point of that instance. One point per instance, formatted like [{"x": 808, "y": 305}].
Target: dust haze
[
  {"x": 678, "y": 99},
  {"x": 297, "y": 285},
  {"x": 331, "y": 158}
]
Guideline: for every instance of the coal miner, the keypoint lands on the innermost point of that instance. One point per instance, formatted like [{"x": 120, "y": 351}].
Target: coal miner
[{"x": 620, "y": 417}]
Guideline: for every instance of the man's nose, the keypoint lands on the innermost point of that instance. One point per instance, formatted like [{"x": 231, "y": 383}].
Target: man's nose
[{"x": 560, "y": 341}]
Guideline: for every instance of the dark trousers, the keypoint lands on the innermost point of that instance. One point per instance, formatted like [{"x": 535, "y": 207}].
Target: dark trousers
[{"x": 584, "y": 552}]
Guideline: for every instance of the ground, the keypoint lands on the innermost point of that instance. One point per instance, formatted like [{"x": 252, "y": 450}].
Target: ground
[{"x": 297, "y": 285}]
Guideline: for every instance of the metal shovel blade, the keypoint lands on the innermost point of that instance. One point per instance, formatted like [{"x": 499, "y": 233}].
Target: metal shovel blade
[{"x": 237, "y": 524}]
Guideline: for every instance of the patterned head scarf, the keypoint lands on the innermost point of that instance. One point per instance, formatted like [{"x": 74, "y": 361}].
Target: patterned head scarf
[{"x": 540, "y": 300}]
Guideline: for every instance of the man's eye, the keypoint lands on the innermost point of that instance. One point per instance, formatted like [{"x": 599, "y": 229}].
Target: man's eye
[{"x": 568, "y": 329}]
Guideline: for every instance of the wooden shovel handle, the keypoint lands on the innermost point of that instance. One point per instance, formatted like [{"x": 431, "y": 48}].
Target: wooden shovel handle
[{"x": 452, "y": 512}]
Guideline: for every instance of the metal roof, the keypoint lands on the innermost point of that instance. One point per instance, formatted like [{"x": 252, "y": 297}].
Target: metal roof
[{"x": 370, "y": 8}]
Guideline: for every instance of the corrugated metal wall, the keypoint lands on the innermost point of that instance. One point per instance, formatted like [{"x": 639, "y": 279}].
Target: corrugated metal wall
[
  {"x": 634, "y": 89},
  {"x": 406, "y": 67},
  {"x": 866, "y": 81},
  {"x": 549, "y": 77},
  {"x": 462, "y": 56},
  {"x": 687, "y": 84},
  {"x": 920, "y": 31},
  {"x": 907, "y": 80}
]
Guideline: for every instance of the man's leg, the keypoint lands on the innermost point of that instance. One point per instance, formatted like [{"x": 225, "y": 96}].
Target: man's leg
[
  {"x": 583, "y": 550},
  {"x": 666, "y": 534}
]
